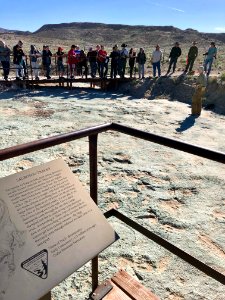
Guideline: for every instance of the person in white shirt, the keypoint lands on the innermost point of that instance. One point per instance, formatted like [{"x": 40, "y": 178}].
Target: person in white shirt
[{"x": 156, "y": 60}]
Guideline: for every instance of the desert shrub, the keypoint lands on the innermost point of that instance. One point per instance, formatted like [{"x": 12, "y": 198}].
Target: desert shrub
[{"x": 222, "y": 77}]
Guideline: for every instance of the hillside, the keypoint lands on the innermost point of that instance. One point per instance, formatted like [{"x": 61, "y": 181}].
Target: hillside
[{"x": 87, "y": 33}]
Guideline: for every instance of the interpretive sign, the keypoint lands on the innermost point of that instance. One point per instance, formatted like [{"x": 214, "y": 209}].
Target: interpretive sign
[{"x": 49, "y": 228}]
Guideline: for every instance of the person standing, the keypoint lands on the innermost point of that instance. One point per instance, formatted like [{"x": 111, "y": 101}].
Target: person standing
[
  {"x": 102, "y": 58},
  {"x": 34, "y": 55},
  {"x": 60, "y": 54},
  {"x": 192, "y": 54},
  {"x": 72, "y": 61},
  {"x": 92, "y": 58},
  {"x": 141, "y": 60},
  {"x": 122, "y": 60},
  {"x": 156, "y": 60},
  {"x": 46, "y": 60},
  {"x": 210, "y": 55},
  {"x": 18, "y": 60},
  {"x": 132, "y": 57},
  {"x": 174, "y": 54},
  {"x": 114, "y": 55},
  {"x": 201, "y": 82},
  {"x": 5, "y": 59}
]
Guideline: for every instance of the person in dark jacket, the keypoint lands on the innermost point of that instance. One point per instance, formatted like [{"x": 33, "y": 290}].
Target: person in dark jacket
[
  {"x": 92, "y": 58},
  {"x": 192, "y": 54},
  {"x": 174, "y": 54},
  {"x": 18, "y": 60},
  {"x": 141, "y": 60},
  {"x": 114, "y": 55},
  {"x": 46, "y": 60},
  {"x": 132, "y": 56}
]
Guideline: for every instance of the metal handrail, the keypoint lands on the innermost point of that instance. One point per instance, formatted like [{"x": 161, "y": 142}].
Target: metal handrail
[{"x": 92, "y": 133}]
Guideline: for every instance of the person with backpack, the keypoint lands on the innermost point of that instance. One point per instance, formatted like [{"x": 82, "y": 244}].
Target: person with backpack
[
  {"x": 192, "y": 54},
  {"x": 174, "y": 54}
]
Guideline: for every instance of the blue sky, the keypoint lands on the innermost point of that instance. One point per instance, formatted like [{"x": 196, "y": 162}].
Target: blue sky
[{"x": 202, "y": 15}]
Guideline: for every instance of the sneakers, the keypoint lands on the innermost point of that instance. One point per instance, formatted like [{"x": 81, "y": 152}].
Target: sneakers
[
  {"x": 49, "y": 77},
  {"x": 71, "y": 77},
  {"x": 18, "y": 78},
  {"x": 36, "y": 78}
]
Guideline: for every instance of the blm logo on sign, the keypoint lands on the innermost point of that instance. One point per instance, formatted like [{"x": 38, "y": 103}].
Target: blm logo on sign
[{"x": 37, "y": 264}]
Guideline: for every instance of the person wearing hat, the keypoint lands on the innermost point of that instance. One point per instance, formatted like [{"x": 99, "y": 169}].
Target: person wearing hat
[
  {"x": 5, "y": 59},
  {"x": 174, "y": 54},
  {"x": 192, "y": 54},
  {"x": 60, "y": 54},
  {"x": 210, "y": 55},
  {"x": 122, "y": 60},
  {"x": 196, "y": 105},
  {"x": 34, "y": 55}
]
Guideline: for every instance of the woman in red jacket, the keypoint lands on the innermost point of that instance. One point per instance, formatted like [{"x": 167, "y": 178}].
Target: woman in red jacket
[{"x": 72, "y": 61}]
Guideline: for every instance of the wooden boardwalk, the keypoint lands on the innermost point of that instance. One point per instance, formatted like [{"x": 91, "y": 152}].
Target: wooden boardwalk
[{"x": 104, "y": 84}]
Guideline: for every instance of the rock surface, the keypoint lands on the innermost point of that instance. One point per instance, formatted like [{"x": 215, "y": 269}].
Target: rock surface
[{"x": 174, "y": 194}]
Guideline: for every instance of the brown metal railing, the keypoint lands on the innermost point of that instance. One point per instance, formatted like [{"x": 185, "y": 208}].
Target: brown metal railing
[
  {"x": 92, "y": 133},
  {"x": 54, "y": 68}
]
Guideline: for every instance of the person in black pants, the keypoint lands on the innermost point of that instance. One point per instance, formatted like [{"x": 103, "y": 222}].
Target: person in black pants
[
  {"x": 114, "y": 55},
  {"x": 46, "y": 60},
  {"x": 132, "y": 56},
  {"x": 174, "y": 54}
]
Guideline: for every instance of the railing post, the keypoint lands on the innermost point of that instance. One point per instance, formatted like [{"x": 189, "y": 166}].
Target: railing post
[{"x": 94, "y": 195}]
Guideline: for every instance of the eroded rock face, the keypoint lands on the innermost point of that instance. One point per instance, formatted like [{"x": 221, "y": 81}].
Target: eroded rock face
[
  {"x": 178, "y": 88},
  {"x": 174, "y": 194}
]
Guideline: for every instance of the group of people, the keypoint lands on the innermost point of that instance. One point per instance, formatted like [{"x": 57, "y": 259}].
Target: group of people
[{"x": 98, "y": 60}]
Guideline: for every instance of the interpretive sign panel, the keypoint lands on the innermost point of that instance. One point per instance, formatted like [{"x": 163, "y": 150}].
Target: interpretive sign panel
[{"x": 49, "y": 228}]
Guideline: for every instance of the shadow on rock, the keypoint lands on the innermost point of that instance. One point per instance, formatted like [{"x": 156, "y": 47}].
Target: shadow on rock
[{"x": 186, "y": 124}]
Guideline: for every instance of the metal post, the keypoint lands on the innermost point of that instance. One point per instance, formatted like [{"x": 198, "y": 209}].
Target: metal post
[{"x": 94, "y": 195}]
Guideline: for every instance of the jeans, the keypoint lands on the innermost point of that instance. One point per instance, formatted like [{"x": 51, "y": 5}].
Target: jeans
[
  {"x": 141, "y": 70},
  {"x": 19, "y": 71},
  {"x": 35, "y": 68},
  {"x": 155, "y": 66},
  {"x": 103, "y": 69},
  {"x": 93, "y": 65},
  {"x": 208, "y": 65}
]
